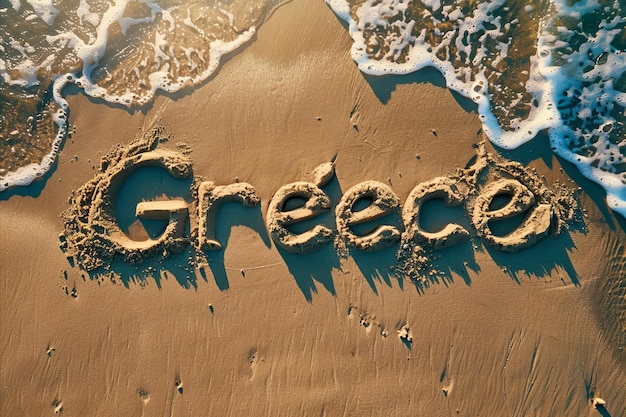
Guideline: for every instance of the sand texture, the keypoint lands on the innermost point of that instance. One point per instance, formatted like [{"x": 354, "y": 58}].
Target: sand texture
[{"x": 294, "y": 238}]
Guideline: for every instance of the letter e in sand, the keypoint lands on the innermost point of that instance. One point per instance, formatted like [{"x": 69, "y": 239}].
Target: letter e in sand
[
  {"x": 384, "y": 202},
  {"x": 533, "y": 228},
  {"x": 279, "y": 216}
]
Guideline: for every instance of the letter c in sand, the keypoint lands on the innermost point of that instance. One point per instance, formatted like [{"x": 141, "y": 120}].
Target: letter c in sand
[{"x": 440, "y": 188}]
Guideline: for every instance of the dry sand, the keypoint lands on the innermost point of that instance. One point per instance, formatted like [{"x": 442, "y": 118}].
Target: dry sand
[{"x": 264, "y": 332}]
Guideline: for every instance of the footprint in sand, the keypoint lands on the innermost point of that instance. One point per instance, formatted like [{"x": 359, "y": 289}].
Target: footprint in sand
[
  {"x": 367, "y": 320},
  {"x": 254, "y": 359}
]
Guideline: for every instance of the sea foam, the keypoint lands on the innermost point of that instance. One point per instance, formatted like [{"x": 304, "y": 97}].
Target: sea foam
[
  {"x": 528, "y": 66},
  {"x": 123, "y": 51}
]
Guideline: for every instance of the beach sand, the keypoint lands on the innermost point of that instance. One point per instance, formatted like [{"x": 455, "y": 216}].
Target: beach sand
[{"x": 263, "y": 332}]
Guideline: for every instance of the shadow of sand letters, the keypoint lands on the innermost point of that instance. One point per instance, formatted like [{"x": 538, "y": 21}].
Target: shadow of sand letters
[{"x": 138, "y": 220}]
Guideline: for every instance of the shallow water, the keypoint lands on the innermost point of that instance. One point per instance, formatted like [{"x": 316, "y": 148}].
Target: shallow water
[
  {"x": 530, "y": 65},
  {"x": 122, "y": 51}
]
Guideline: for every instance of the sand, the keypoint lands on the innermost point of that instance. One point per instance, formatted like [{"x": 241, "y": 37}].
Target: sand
[{"x": 259, "y": 329}]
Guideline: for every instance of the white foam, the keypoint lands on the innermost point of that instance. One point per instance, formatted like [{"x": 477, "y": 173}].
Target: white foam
[
  {"x": 187, "y": 21},
  {"x": 15, "y": 4},
  {"x": 433, "y": 5},
  {"x": 592, "y": 88},
  {"x": 92, "y": 49},
  {"x": 230, "y": 16},
  {"x": 44, "y": 9},
  {"x": 421, "y": 55},
  {"x": 27, "y": 174},
  {"x": 86, "y": 15},
  {"x": 546, "y": 82},
  {"x": 28, "y": 73}
]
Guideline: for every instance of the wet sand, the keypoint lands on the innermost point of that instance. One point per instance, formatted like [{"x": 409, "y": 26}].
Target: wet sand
[{"x": 261, "y": 331}]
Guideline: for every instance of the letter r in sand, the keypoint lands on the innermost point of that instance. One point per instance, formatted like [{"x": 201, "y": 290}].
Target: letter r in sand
[{"x": 210, "y": 197}]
